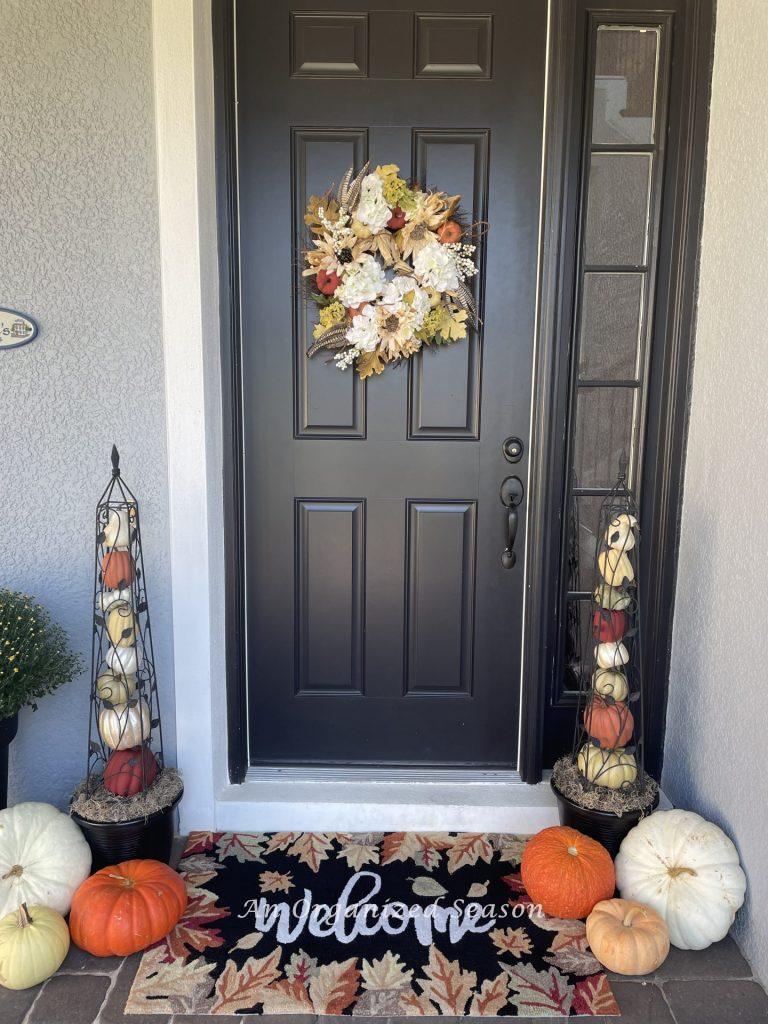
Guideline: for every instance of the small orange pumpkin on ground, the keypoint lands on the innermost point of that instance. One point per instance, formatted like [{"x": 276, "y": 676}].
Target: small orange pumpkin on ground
[
  {"x": 566, "y": 872},
  {"x": 123, "y": 909},
  {"x": 117, "y": 569},
  {"x": 450, "y": 232},
  {"x": 627, "y": 937},
  {"x": 611, "y": 725}
]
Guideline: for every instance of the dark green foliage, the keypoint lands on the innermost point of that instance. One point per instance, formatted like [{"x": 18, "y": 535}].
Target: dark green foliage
[{"x": 35, "y": 656}]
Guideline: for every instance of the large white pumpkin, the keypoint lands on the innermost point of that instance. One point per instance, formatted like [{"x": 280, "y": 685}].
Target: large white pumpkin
[
  {"x": 43, "y": 858},
  {"x": 687, "y": 870}
]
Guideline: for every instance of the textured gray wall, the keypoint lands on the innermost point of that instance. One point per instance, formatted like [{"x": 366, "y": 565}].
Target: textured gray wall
[
  {"x": 80, "y": 253},
  {"x": 714, "y": 760}
]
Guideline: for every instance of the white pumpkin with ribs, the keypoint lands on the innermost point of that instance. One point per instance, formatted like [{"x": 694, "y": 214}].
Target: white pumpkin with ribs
[{"x": 688, "y": 871}]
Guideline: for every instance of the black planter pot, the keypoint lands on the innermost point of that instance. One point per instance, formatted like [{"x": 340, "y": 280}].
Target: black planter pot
[
  {"x": 114, "y": 841},
  {"x": 8, "y": 729},
  {"x": 607, "y": 828}
]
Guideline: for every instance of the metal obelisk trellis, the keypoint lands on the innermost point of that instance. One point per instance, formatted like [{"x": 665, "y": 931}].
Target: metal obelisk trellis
[
  {"x": 125, "y": 711},
  {"x": 608, "y": 734}
]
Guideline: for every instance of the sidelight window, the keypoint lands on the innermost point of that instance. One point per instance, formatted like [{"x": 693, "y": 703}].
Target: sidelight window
[{"x": 622, "y": 167}]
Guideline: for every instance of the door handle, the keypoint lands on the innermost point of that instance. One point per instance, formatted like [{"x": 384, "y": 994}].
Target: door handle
[{"x": 511, "y": 494}]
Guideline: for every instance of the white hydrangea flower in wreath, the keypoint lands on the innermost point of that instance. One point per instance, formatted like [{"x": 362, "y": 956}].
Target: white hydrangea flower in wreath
[
  {"x": 389, "y": 270},
  {"x": 372, "y": 210},
  {"x": 435, "y": 267},
  {"x": 363, "y": 281}
]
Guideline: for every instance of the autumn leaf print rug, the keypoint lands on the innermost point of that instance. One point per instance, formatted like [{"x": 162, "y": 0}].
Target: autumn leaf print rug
[{"x": 394, "y": 924}]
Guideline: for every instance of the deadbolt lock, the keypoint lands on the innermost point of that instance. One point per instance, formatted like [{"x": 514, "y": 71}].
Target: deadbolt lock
[{"x": 512, "y": 449}]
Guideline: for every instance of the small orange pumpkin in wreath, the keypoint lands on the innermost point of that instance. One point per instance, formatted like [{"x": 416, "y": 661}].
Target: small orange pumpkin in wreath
[
  {"x": 450, "y": 232},
  {"x": 566, "y": 872}
]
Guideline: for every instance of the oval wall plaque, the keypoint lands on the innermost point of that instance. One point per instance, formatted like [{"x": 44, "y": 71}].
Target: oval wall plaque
[{"x": 16, "y": 328}]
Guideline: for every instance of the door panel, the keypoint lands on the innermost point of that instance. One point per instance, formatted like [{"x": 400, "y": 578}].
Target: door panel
[
  {"x": 381, "y": 625},
  {"x": 330, "y": 597},
  {"x": 445, "y": 393},
  {"x": 325, "y": 405},
  {"x": 439, "y": 612}
]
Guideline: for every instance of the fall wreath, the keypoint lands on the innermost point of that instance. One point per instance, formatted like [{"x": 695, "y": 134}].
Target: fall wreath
[{"x": 388, "y": 269}]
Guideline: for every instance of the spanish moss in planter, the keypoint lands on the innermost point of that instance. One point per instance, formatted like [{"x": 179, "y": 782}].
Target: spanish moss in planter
[
  {"x": 126, "y": 802},
  {"x": 602, "y": 787}
]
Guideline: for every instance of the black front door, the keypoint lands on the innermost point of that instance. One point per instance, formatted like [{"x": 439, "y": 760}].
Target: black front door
[{"x": 382, "y": 627}]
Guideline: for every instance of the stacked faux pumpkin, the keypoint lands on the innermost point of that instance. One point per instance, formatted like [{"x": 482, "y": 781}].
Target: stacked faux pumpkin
[
  {"x": 124, "y": 719},
  {"x": 678, "y": 875},
  {"x": 44, "y": 866},
  {"x": 608, "y": 721}
]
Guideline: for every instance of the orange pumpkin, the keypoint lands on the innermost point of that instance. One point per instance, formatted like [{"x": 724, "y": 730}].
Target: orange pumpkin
[
  {"x": 125, "y": 908},
  {"x": 611, "y": 724},
  {"x": 449, "y": 232},
  {"x": 117, "y": 569},
  {"x": 566, "y": 872},
  {"x": 130, "y": 771},
  {"x": 627, "y": 937}
]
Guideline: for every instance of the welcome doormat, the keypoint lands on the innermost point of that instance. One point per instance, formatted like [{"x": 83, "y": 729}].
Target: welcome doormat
[{"x": 394, "y": 924}]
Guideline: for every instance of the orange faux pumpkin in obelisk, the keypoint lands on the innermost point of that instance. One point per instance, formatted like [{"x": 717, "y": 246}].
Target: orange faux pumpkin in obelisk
[
  {"x": 566, "y": 872},
  {"x": 117, "y": 569},
  {"x": 611, "y": 724},
  {"x": 125, "y": 908}
]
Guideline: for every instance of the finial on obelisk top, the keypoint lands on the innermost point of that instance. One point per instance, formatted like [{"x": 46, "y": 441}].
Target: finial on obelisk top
[{"x": 115, "y": 461}]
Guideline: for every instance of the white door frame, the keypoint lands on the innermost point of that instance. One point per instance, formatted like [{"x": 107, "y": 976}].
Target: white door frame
[{"x": 184, "y": 109}]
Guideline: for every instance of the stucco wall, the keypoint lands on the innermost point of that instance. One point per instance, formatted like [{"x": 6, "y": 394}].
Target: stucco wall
[
  {"x": 718, "y": 702},
  {"x": 80, "y": 253}
]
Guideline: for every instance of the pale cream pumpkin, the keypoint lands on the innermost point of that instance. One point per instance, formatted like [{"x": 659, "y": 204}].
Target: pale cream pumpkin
[
  {"x": 125, "y": 725},
  {"x": 107, "y": 598},
  {"x": 43, "y": 857},
  {"x": 121, "y": 626},
  {"x": 688, "y": 871},
  {"x": 627, "y": 937},
  {"x": 619, "y": 535},
  {"x": 613, "y": 769},
  {"x": 615, "y": 567},
  {"x": 124, "y": 661},
  {"x": 613, "y": 598},
  {"x": 611, "y": 655},
  {"x": 608, "y": 683},
  {"x": 33, "y": 944},
  {"x": 114, "y": 688},
  {"x": 117, "y": 532}
]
